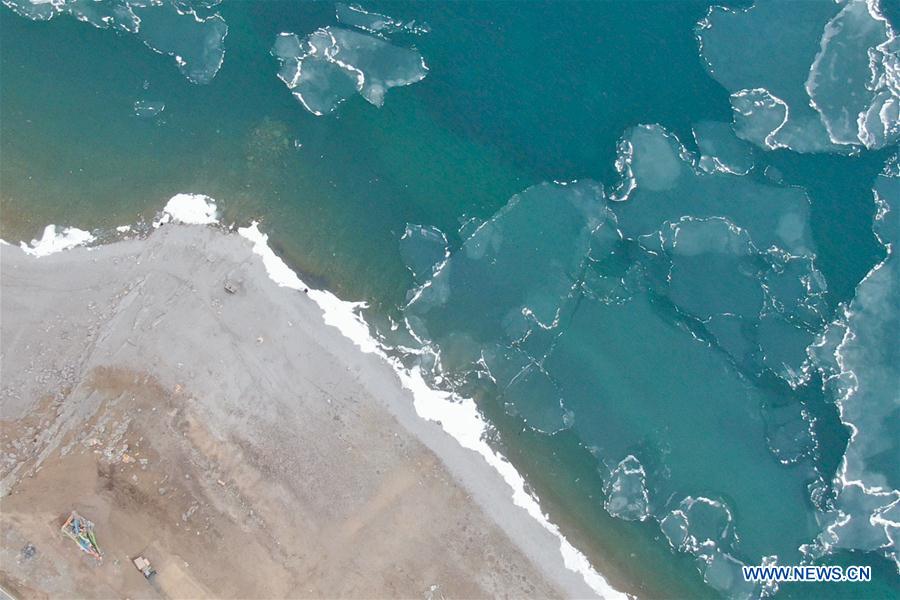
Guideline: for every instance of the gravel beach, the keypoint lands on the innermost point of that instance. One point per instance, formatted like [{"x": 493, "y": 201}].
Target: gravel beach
[{"x": 209, "y": 420}]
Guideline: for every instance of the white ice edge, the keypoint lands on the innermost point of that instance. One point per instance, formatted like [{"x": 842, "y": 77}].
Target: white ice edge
[{"x": 459, "y": 417}]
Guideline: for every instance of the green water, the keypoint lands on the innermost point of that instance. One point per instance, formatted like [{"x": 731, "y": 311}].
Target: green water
[{"x": 517, "y": 94}]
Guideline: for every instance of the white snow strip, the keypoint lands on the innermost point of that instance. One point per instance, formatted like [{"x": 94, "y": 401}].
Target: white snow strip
[
  {"x": 337, "y": 313},
  {"x": 460, "y": 418}
]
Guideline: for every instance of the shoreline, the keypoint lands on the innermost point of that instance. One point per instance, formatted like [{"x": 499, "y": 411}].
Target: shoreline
[{"x": 405, "y": 399}]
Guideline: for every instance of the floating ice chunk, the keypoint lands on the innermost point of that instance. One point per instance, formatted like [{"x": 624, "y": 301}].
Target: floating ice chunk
[
  {"x": 709, "y": 524},
  {"x": 332, "y": 63},
  {"x": 192, "y": 209},
  {"x": 862, "y": 372},
  {"x": 34, "y": 9},
  {"x": 723, "y": 573},
  {"x": 148, "y": 109},
  {"x": 378, "y": 65},
  {"x": 720, "y": 150},
  {"x": 759, "y": 116},
  {"x": 626, "y": 491},
  {"x": 536, "y": 243},
  {"x": 173, "y": 27},
  {"x": 423, "y": 249},
  {"x": 116, "y": 14},
  {"x": 853, "y": 82},
  {"x": 773, "y": 216},
  {"x": 55, "y": 241},
  {"x": 197, "y": 43},
  {"x": 722, "y": 247},
  {"x": 675, "y": 527},
  {"x": 711, "y": 269},
  {"x": 703, "y": 527},
  {"x": 525, "y": 388},
  {"x": 287, "y": 46},
  {"x": 507, "y": 286},
  {"x": 656, "y": 164},
  {"x": 768, "y": 122},
  {"x": 771, "y": 98},
  {"x": 355, "y": 16}
]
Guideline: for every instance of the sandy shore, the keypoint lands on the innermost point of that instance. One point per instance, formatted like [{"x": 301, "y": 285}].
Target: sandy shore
[{"x": 234, "y": 439}]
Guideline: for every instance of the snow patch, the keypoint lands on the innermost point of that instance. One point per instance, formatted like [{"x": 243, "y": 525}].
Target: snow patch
[
  {"x": 55, "y": 241},
  {"x": 191, "y": 209}
]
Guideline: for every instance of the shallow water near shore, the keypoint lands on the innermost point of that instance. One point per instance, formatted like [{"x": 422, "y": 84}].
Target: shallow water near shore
[{"x": 657, "y": 344}]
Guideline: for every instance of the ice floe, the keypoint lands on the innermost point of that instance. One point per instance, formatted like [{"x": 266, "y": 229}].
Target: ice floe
[
  {"x": 854, "y": 82},
  {"x": 861, "y": 371},
  {"x": 497, "y": 301},
  {"x": 190, "y": 31},
  {"x": 720, "y": 150},
  {"x": 626, "y": 491},
  {"x": 834, "y": 86},
  {"x": 333, "y": 63},
  {"x": 423, "y": 250},
  {"x": 372, "y": 22},
  {"x": 636, "y": 323}
]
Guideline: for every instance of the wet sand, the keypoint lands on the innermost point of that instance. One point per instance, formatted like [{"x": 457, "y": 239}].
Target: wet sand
[{"x": 243, "y": 446}]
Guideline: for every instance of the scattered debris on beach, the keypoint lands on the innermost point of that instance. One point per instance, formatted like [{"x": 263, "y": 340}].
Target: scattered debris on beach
[{"x": 82, "y": 532}]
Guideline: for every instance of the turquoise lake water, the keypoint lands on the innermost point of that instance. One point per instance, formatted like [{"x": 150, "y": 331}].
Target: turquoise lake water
[{"x": 652, "y": 239}]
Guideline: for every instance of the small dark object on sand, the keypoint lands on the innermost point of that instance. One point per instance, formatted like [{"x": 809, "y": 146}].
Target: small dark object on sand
[{"x": 28, "y": 551}]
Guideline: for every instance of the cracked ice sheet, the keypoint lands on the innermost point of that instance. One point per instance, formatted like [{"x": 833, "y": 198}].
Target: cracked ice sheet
[
  {"x": 189, "y": 31},
  {"x": 332, "y": 63},
  {"x": 833, "y": 86},
  {"x": 863, "y": 372},
  {"x": 498, "y": 299}
]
